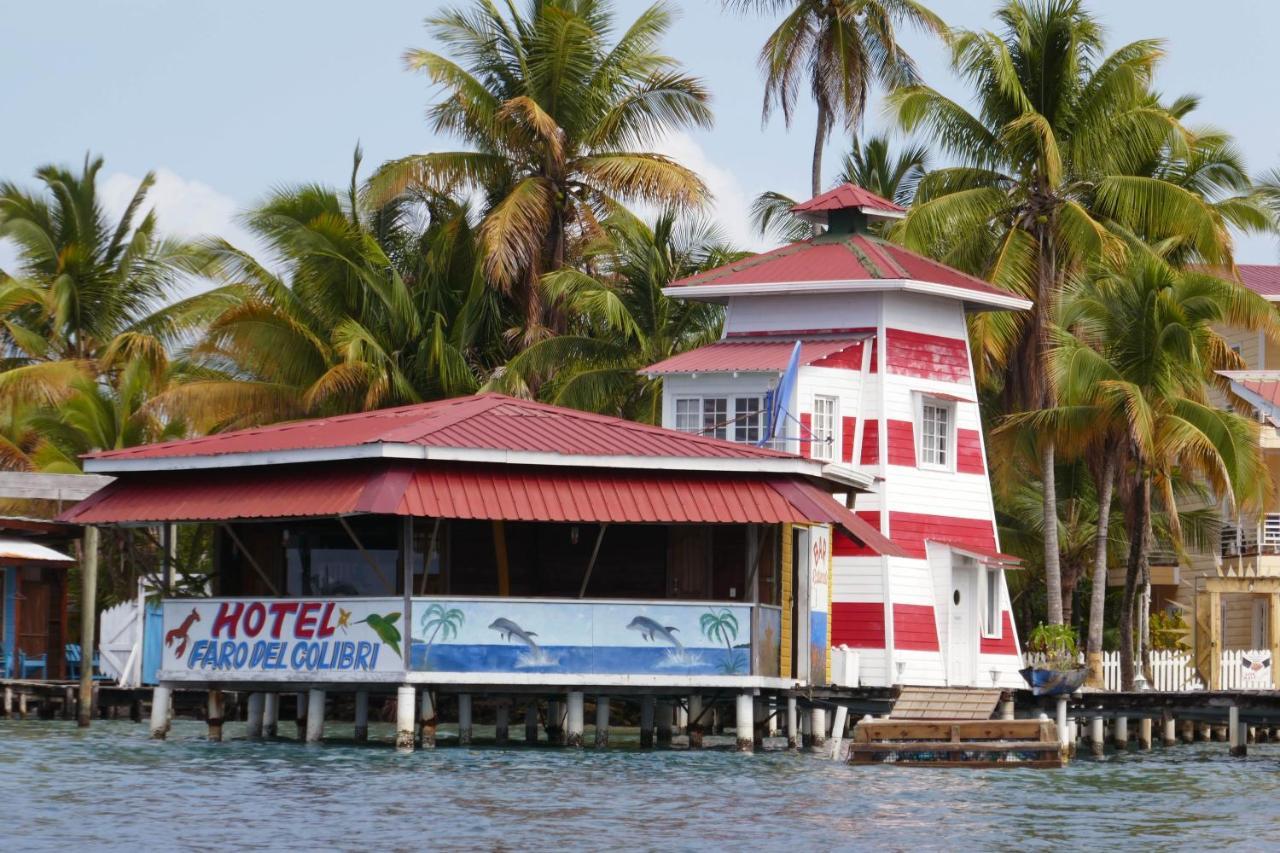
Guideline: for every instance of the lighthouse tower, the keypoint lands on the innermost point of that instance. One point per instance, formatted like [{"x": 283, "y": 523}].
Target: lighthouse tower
[{"x": 884, "y": 385}]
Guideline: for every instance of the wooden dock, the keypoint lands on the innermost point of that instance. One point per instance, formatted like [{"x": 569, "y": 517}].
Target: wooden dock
[{"x": 958, "y": 743}]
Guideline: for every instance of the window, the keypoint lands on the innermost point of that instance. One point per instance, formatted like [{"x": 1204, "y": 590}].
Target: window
[
  {"x": 740, "y": 419},
  {"x": 824, "y": 428},
  {"x": 935, "y": 434},
  {"x": 689, "y": 414},
  {"x": 991, "y": 623},
  {"x": 715, "y": 417},
  {"x": 748, "y": 419}
]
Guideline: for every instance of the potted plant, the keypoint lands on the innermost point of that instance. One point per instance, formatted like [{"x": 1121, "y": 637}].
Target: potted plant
[{"x": 1056, "y": 668}]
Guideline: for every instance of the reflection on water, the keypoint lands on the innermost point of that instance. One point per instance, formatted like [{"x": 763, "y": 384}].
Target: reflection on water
[{"x": 111, "y": 787}]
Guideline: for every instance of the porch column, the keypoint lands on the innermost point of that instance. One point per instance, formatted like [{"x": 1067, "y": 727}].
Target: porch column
[
  {"x": 574, "y": 721},
  {"x": 464, "y": 719},
  {"x": 315, "y": 715},
  {"x": 602, "y": 722},
  {"x": 745, "y": 723},
  {"x": 404, "y": 717},
  {"x": 792, "y": 723},
  {"x": 647, "y": 705},
  {"x": 88, "y": 615},
  {"x": 253, "y": 715},
  {"x": 695, "y": 727},
  {"x": 427, "y": 720},
  {"x": 531, "y": 721},
  {"x": 361, "y": 733},
  {"x": 271, "y": 714},
  {"x": 160, "y": 698},
  {"x": 502, "y": 722},
  {"x": 214, "y": 718},
  {"x": 666, "y": 718}
]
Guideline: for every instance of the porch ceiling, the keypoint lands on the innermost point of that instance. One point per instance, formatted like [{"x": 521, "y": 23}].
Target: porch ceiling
[{"x": 494, "y": 492}]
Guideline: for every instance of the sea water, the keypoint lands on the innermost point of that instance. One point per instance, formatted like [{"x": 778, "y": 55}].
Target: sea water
[{"x": 111, "y": 787}]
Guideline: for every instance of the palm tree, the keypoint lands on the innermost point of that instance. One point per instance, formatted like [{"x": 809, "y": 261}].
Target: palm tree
[
  {"x": 623, "y": 321},
  {"x": 438, "y": 619},
  {"x": 722, "y": 625},
  {"x": 558, "y": 118},
  {"x": 83, "y": 299},
  {"x": 1066, "y": 144},
  {"x": 843, "y": 47},
  {"x": 1142, "y": 353},
  {"x": 872, "y": 165},
  {"x": 369, "y": 308}
]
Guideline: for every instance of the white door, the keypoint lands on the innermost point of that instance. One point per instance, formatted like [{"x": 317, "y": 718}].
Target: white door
[{"x": 963, "y": 646}]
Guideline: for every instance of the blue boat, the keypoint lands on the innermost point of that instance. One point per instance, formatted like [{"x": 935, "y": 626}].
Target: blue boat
[{"x": 1054, "y": 682}]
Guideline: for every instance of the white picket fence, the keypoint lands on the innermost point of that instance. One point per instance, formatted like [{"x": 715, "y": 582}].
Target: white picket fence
[{"x": 1175, "y": 671}]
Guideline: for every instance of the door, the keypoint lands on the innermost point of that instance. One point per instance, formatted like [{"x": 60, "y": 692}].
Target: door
[
  {"x": 33, "y": 619},
  {"x": 689, "y": 562},
  {"x": 963, "y": 646}
]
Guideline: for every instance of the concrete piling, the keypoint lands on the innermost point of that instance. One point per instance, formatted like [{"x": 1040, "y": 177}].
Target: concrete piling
[
  {"x": 428, "y": 720},
  {"x": 531, "y": 722},
  {"x": 464, "y": 719},
  {"x": 1097, "y": 737},
  {"x": 214, "y": 719},
  {"x": 792, "y": 723},
  {"x": 270, "y": 714},
  {"x": 253, "y": 715},
  {"x": 818, "y": 728},
  {"x": 160, "y": 715},
  {"x": 404, "y": 717},
  {"x": 665, "y": 714},
  {"x": 360, "y": 731},
  {"x": 574, "y": 719},
  {"x": 1237, "y": 734},
  {"x": 315, "y": 716},
  {"x": 300, "y": 715},
  {"x": 555, "y": 722},
  {"x": 1144, "y": 734},
  {"x": 648, "y": 707},
  {"x": 695, "y": 726},
  {"x": 602, "y": 722},
  {"x": 502, "y": 722},
  {"x": 1168, "y": 730},
  {"x": 745, "y": 723},
  {"x": 1122, "y": 734}
]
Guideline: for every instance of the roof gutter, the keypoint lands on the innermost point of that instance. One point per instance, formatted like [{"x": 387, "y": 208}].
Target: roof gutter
[{"x": 906, "y": 285}]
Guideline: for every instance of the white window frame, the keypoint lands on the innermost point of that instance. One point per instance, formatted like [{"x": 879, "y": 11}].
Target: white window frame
[
  {"x": 694, "y": 428},
  {"x": 949, "y": 406},
  {"x": 992, "y": 603},
  {"x": 734, "y": 431},
  {"x": 819, "y": 447}
]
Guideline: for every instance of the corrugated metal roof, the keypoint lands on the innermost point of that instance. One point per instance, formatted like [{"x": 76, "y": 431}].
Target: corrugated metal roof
[
  {"x": 21, "y": 551},
  {"x": 436, "y": 490},
  {"x": 1263, "y": 279},
  {"x": 847, "y": 196},
  {"x": 750, "y": 355},
  {"x": 483, "y": 421},
  {"x": 842, "y": 258}
]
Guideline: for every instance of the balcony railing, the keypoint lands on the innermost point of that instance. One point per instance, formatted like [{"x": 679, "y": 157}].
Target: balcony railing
[{"x": 1260, "y": 535}]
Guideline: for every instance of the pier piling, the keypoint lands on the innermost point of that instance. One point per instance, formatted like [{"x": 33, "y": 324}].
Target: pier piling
[
  {"x": 1064, "y": 735},
  {"x": 695, "y": 726},
  {"x": 1236, "y": 733},
  {"x": 300, "y": 714},
  {"x": 361, "y": 728},
  {"x": 1122, "y": 734},
  {"x": 464, "y": 719},
  {"x": 1169, "y": 730},
  {"x": 427, "y": 720},
  {"x": 215, "y": 715},
  {"x": 315, "y": 716},
  {"x": 253, "y": 719},
  {"x": 555, "y": 722},
  {"x": 8, "y": 702},
  {"x": 602, "y": 722},
  {"x": 404, "y": 717},
  {"x": 818, "y": 727},
  {"x": 665, "y": 713},
  {"x": 502, "y": 722},
  {"x": 1144, "y": 734},
  {"x": 647, "y": 708},
  {"x": 574, "y": 719},
  {"x": 792, "y": 739},
  {"x": 531, "y": 722},
  {"x": 1097, "y": 737},
  {"x": 744, "y": 723},
  {"x": 271, "y": 715},
  {"x": 160, "y": 712}
]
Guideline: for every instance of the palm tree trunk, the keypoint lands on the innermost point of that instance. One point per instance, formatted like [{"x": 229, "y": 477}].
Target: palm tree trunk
[
  {"x": 1098, "y": 598},
  {"x": 1052, "y": 566},
  {"x": 819, "y": 140},
  {"x": 1138, "y": 556}
]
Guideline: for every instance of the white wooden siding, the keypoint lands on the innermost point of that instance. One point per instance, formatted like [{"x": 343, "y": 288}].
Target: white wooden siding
[{"x": 802, "y": 312}]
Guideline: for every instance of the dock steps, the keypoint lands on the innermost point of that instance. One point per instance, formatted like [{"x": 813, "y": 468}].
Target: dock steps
[{"x": 957, "y": 743}]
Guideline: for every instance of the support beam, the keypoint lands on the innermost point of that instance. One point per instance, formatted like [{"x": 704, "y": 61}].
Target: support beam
[
  {"x": 214, "y": 718},
  {"x": 368, "y": 558},
  {"x": 502, "y": 722},
  {"x": 745, "y": 723},
  {"x": 250, "y": 559},
  {"x": 602, "y": 722},
  {"x": 315, "y": 716},
  {"x": 253, "y": 715},
  {"x": 428, "y": 720},
  {"x": 271, "y": 715},
  {"x": 591, "y": 565},
  {"x": 360, "y": 731},
  {"x": 696, "y": 724},
  {"x": 647, "y": 708},
  {"x": 404, "y": 717},
  {"x": 500, "y": 556},
  {"x": 464, "y": 719},
  {"x": 88, "y": 618},
  {"x": 793, "y": 739},
  {"x": 574, "y": 719},
  {"x": 665, "y": 714},
  {"x": 161, "y": 697}
]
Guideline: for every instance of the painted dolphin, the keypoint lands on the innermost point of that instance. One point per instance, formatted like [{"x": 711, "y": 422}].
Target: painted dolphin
[
  {"x": 650, "y": 629},
  {"x": 509, "y": 629}
]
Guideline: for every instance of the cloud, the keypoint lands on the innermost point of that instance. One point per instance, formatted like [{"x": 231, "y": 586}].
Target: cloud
[{"x": 730, "y": 207}]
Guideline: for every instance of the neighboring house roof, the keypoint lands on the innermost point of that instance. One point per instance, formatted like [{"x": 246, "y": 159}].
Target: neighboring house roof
[
  {"x": 20, "y": 552},
  {"x": 1261, "y": 388},
  {"x": 748, "y": 356},
  {"x": 1262, "y": 279}
]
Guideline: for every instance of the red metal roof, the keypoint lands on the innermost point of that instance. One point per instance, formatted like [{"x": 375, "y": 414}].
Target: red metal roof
[
  {"x": 749, "y": 355},
  {"x": 839, "y": 258},
  {"x": 982, "y": 555},
  {"x": 1263, "y": 279},
  {"x": 848, "y": 196},
  {"x": 483, "y": 421},
  {"x": 434, "y": 490}
]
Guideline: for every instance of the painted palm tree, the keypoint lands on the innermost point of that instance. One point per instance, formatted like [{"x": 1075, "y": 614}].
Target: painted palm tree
[
  {"x": 441, "y": 621},
  {"x": 843, "y": 48},
  {"x": 623, "y": 322},
  {"x": 83, "y": 298},
  {"x": 722, "y": 626},
  {"x": 873, "y": 165},
  {"x": 1067, "y": 143},
  {"x": 558, "y": 115},
  {"x": 1142, "y": 355},
  {"x": 362, "y": 309}
]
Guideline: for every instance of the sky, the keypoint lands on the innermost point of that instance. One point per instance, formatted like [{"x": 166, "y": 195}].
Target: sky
[{"x": 226, "y": 101}]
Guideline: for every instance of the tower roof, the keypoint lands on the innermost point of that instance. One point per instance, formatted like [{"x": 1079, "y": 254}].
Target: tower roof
[{"x": 847, "y": 197}]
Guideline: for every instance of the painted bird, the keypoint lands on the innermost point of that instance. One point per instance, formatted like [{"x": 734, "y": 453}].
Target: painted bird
[{"x": 385, "y": 628}]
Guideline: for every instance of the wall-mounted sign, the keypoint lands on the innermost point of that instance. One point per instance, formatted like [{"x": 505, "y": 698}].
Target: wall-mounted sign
[
  {"x": 1255, "y": 670},
  {"x": 230, "y": 637}
]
